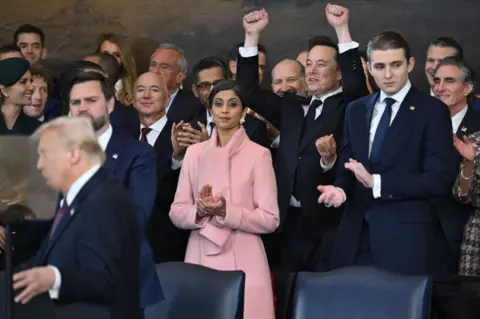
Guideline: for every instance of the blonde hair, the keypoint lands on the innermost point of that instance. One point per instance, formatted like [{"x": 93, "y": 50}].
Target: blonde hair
[
  {"x": 75, "y": 132},
  {"x": 129, "y": 69}
]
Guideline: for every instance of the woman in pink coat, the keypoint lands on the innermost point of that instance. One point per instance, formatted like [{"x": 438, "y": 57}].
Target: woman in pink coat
[{"x": 227, "y": 196}]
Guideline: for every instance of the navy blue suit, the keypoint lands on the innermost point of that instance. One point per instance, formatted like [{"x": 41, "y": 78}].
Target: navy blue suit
[
  {"x": 96, "y": 248},
  {"x": 125, "y": 118},
  {"x": 134, "y": 164},
  {"x": 417, "y": 164}
]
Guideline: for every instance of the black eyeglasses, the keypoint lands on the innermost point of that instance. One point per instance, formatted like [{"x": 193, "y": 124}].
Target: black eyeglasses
[{"x": 204, "y": 86}]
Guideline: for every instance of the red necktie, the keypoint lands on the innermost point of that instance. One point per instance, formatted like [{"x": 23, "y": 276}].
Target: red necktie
[
  {"x": 145, "y": 131},
  {"x": 58, "y": 217}
]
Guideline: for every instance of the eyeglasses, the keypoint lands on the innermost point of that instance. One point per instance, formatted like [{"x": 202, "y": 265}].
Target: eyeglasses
[{"x": 205, "y": 86}]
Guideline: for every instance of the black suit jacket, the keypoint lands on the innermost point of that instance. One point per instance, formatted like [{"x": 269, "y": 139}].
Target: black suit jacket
[
  {"x": 293, "y": 155},
  {"x": 256, "y": 130},
  {"x": 185, "y": 107},
  {"x": 24, "y": 125},
  {"x": 96, "y": 248},
  {"x": 168, "y": 242},
  {"x": 453, "y": 215}
]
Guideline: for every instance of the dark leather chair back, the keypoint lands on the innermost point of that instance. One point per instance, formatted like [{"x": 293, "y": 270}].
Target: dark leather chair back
[
  {"x": 42, "y": 307},
  {"x": 196, "y": 292},
  {"x": 361, "y": 292}
]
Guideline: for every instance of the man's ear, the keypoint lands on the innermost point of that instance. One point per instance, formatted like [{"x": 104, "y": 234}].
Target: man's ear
[
  {"x": 110, "y": 105},
  {"x": 44, "y": 53},
  {"x": 232, "y": 65},
  {"x": 195, "y": 90}
]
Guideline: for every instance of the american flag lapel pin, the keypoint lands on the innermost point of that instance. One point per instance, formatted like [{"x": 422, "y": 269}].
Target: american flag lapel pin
[
  {"x": 463, "y": 129},
  {"x": 72, "y": 211},
  {"x": 115, "y": 156},
  {"x": 412, "y": 108}
]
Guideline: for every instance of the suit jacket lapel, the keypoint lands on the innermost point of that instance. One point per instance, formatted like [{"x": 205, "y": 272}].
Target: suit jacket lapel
[
  {"x": 403, "y": 118},
  {"x": 113, "y": 152},
  {"x": 70, "y": 215},
  {"x": 364, "y": 131}
]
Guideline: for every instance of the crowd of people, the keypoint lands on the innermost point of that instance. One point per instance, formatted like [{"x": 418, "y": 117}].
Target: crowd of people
[{"x": 344, "y": 162}]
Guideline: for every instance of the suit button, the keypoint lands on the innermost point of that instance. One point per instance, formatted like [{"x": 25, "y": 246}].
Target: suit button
[
  {"x": 390, "y": 196},
  {"x": 299, "y": 157}
]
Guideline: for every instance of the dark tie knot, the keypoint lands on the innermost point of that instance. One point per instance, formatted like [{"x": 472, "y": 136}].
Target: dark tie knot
[
  {"x": 315, "y": 103},
  {"x": 146, "y": 130},
  {"x": 389, "y": 102},
  {"x": 212, "y": 125}
]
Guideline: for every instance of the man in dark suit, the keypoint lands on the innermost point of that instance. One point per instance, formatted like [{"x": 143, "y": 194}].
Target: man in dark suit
[
  {"x": 150, "y": 99},
  {"x": 133, "y": 163},
  {"x": 397, "y": 157},
  {"x": 92, "y": 250},
  {"x": 453, "y": 84},
  {"x": 299, "y": 165},
  {"x": 206, "y": 73},
  {"x": 169, "y": 60}
]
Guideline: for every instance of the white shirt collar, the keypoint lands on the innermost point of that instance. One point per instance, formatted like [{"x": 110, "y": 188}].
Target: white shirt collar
[
  {"x": 209, "y": 117},
  {"x": 172, "y": 97},
  {"x": 326, "y": 96},
  {"x": 79, "y": 183},
  {"x": 399, "y": 96},
  {"x": 158, "y": 125},
  {"x": 105, "y": 138},
  {"x": 118, "y": 85},
  {"x": 458, "y": 118}
]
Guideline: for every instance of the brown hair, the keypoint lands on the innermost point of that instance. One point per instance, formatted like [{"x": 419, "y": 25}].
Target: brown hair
[
  {"x": 38, "y": 70},
  {"x": 128, "y": 73}
]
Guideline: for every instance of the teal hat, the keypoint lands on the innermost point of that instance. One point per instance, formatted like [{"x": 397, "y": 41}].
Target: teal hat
[{"x": 12, "y": 70}]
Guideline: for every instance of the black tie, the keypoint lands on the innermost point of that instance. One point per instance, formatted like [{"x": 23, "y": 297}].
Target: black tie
[
  {"x": 309, "y": 120},
  {"x": 212, "y": 126},
  {"x": 381, "y": 132}
]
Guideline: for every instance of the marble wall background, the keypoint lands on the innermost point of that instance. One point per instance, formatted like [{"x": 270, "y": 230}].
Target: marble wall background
[{"x": 206, "y": 27}]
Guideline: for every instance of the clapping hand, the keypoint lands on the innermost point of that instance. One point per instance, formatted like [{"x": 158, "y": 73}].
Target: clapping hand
[
  {"x": 465, "y": 148},
  {"x": 362, "y": 175},
  {"x": 208, "y": 205}
]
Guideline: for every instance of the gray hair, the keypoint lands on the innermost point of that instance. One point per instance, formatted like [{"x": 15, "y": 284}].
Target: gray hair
[
  {"x": 468, "y": 75},
  {"x": 75, "y": 132},
  {"x": 182, "y": 63}
]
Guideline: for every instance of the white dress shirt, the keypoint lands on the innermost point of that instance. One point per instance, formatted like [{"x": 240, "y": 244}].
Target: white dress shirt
[
  {"x": 71, "y": 194},
  {"x": 105, "y": 138},
  {"x": 458, "y": 118},
  {"x": 209, "y": 120}
]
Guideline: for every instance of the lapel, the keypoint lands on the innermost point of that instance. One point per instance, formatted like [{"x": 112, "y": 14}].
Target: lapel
[
  {"x": 329, "y": 106},
  {"x": 175, "y": 107},
  {"x": 113, "y": 152},
  {"x": 468, "y": 125},
  {"x": 404, "y": 117},
  {"x": 71, "y": 214},
  {"x": 364, "y": 131}
]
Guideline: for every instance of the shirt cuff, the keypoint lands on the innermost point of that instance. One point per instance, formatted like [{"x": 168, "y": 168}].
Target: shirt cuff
[
  {"x": 248, "y": 52},
  {"x": 326, "y": 168},
  {"x": 377, "y": 186},
  {"x": 176, "y": 164},
  {"x": 55, "y": 290},
  {"x": 343, "y": 194},
  {"x": 343, "y": 47}
]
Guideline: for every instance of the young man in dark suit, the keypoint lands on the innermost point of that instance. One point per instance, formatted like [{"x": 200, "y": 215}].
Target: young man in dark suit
[
  {"x": 95, "y": 228},
  {"x": 397, "y": 157}
]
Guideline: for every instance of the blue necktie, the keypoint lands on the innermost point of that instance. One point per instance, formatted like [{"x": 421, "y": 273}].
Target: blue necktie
[{"x": 381, "y": 132}]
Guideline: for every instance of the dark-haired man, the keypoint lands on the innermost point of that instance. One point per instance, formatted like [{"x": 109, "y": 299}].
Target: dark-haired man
[
  {"x": 439, "y": 49},
  {"x": 43, "y": 84},
  {"x": 206, "y": 73},
  {"x": 31, "y": 41},
  {"x": 394, "y": 162},
  {"x": 300, "y": 166}
]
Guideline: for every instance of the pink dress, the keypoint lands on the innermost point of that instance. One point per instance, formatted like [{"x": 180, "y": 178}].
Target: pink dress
[{"x": 242, "y": 172}]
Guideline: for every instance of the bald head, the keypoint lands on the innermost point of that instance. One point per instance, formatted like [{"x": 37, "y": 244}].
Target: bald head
[
  {"x": 302, "y": 57},
  {"x": 150, "y": 95},
  {"x": 288, "y": 76}
]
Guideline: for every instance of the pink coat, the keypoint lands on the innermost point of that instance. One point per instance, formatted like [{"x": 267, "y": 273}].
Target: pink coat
[{"x": 242, "y": 172}]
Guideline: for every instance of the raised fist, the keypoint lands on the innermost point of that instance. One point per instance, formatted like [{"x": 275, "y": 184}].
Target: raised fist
[
  {"x": 337, "y": 16},
  {"x": 254, "y": 22}
]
